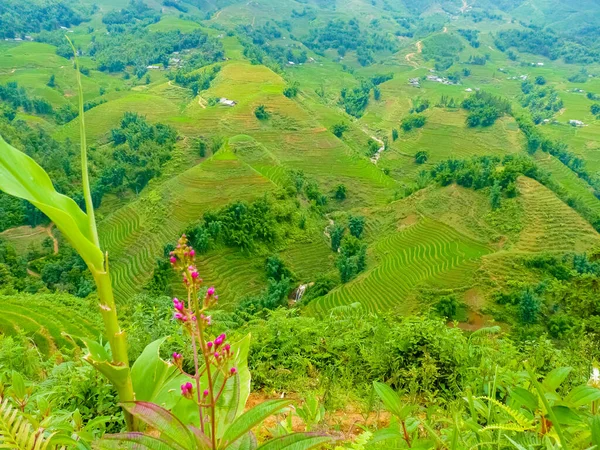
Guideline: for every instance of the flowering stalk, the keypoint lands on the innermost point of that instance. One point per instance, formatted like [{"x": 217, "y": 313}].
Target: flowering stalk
[{"x": 215, "y": 354}]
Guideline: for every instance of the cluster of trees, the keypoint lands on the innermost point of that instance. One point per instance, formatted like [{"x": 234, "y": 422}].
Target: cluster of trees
[
  {"x": 16, "y": 97},
  {"x": 135, "y": 10},
  {"x": 343, "y": 36},
  {"x": 196, "y": 81},
  {"x": 563, "y": 304},
  {"x": 140, "y": 151},
  {"x": 240, "y": 224},
  {"x": 550, "y": 44},
  {"x": 136, "y": 46},
  {"x": 21, "y": 17},
  {"x": 352, "y": 252},
  {"x": 444, "y": 49},
  {"x": 478, "y": 60},
  {"x": 499, "y": 175},
  {"x": 470, "y": 35},
  {"x": 355, "y": 100},
  {"x": 259, "y": 47},
  {"x": 447, "y": 102},
  {"x": 291, "y": 90},
  {"x": 413, "y": 121},
  {"x": 484, "y": 108},
  {"x": 542, "y": 102},
  {"x": 419, "y": 105}
]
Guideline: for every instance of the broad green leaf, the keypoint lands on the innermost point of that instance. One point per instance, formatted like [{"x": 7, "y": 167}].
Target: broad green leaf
[
  {"x": 565, "y": 415},
  {"x": 228, "y": 403},
  {"x": 155, "y": 380},
  {"x": 100, "y": 360},
  {"x": 251, "y": 418},
  {"x": 595, "y": 430},
  {"x": 522, "y": 397},
  {"x": 385, "y": 434},
  {"x": 132, "y": 441},
  {"x": 22, "y": 177},
  {"x": 555, "y": 377},
  {"x": 246, "y": 442},
  {"x": 170, "y": 427},
  {"x": 391, "y": 400},
  {"x": 516, "y": 444},
  {"x": 18, "y": 385},
  {"x": 295, "y": 441},
  {"x": 582, "y": 395}
]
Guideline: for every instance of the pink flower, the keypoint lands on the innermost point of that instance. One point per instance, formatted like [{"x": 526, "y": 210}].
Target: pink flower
[
  {"x": 211, "y": 291},
  {"x": 173, "y": 259},
  {"x": 187, "y": 389},
  {"x": 217, "y": 355},
  {"x": 178, "y": 304},
  {"x": 176, "y": 356},
  {"x": 220, "y": 339},
  {"x": 192, "y": 253},
  {"x": 227, "y": 347},
  {"x": 209, "y": 344},
  {"x": 195, "y": 275},
  {"x": 205, "y": 393},
  {"x": 233, "y": 371},
  {"x": 179, "y": 316}
]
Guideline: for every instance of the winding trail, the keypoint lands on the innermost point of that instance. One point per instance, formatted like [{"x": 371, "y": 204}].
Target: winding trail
[
  {"x": 464, "y": 6},
  {"x": 326, "y": 230},
  {"x": 48, "y": 230},
  {"x": 409, "y": 57}
]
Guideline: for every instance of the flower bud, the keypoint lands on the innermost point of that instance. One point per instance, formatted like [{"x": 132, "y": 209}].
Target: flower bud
[
  {"x": 187, "y": 389},
  {"x": 233, "y": 371},
  {"x": 211, "y": 291},
  {"x": 173, "y": 259},
  {"x": 192, "y": 253},
  {"x": 205, "y": 393}
]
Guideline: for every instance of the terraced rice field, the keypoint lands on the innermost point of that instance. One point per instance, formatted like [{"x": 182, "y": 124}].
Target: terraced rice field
[
  {"x": 549, "y": 224},
  {"x": 574, "y": 185},
  {"x": 427, "y": 252},
  {"x": 45, "y": 318},
  {"x": 136, "y": 234}
]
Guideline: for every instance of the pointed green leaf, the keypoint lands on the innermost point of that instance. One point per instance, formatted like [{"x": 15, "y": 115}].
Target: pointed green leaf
[
  {"x": 555, "y": 377},
  {"x": 253, "y": 417},
  {"x": 385, "y": 434},
  {"x": 565, "y": 415},
  {"x": 132, "y": 441},
  {"x": 170, "y": 427},
  {"x": 522, "y": 397},
  {"x": 246, "y": 442},
  {"x": 595, "y": 430},
  {"x": 155, "y": 380},
  {"x": 22, "y": 177},
  {"x": 391, "y": 400},
  {"x": 295, "y": 441},
  {"x": 582, "y": 395}
]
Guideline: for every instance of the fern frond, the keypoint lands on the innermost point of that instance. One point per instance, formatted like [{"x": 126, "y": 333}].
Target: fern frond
[
  {"x": 517, "y": 416},
  {"x": 485, "y": 331},
  {"x": 16, "y": 433},
  {"x": 507, "y": 427}
]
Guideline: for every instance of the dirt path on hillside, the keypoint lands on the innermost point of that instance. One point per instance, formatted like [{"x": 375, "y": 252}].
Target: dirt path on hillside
[
  {"x": 201, "y": 102},
  {"x": 409, "y": 57},
  {"x": 220, "y": 11},
  {"x": 48, "y": 230},
  {"x": 445, "y": 30},
  {"x": 331, "y": 223},
  {"x": 376, "y": 156}
]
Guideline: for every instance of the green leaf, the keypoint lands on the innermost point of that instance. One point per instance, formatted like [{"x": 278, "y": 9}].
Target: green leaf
[
  {"x": 582, "y": 395},
  {"x": 170, "y": 427},
  {"x": 555, "y": 378},
  {"x": 100, "y": 360},
  {"x": 155, "y": 380},
  {"x": 228, "y": 402},
  {"x": 295, "y": 441},
  {"x": 132, "y": 441},
  {"x": 524, "y": 398},
  {"x": 391, "y": 400},
  {"x": 246, "y": 442},
  {"x": 22, "y": 177},
  {"x": 595, "y": 430},
  {"x": 565, "y": 415},
  {"x": 385, "y": 434},
  {"x": 251, "y": 418},
  {"x": 18, "y": 385}
]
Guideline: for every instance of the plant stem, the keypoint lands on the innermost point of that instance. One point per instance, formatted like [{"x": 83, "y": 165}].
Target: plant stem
[
  {"x": 116, "y": 338},
  {"x": 197, "y": 378},
  {"x": 85, "y": 179},
  {"x": 213, "y": 425}
]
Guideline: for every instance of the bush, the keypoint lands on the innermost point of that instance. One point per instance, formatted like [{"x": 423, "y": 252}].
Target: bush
[
  {"x": 261, "y": 112},
  {"x": 421, "y": 156},
  {"x": 339, "y": 129},
  {"x": 413, "y": 121}
]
